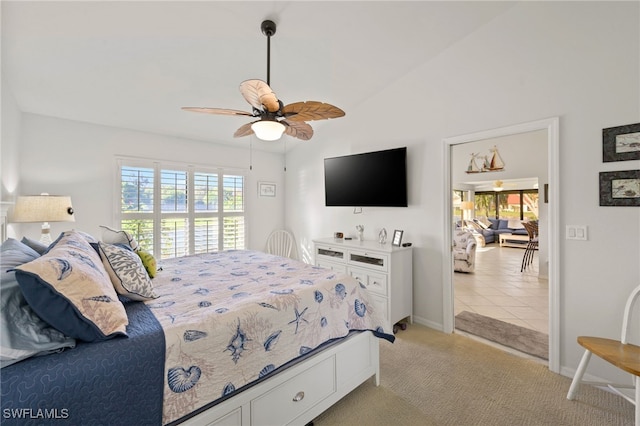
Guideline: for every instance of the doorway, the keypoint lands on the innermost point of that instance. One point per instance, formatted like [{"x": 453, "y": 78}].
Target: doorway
[{"x": 550, "y": 194}]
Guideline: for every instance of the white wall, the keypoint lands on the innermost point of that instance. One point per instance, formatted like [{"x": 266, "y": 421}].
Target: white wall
[
  {"x": 576, "y": 60},
  {"x": 79, "y": 159}
]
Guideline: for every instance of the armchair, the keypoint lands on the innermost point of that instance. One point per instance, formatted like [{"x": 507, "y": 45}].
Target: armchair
[{"x": 464, "y": 251}]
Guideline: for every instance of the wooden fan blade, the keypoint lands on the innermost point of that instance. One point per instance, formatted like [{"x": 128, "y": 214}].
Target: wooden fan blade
[
  {"x": 298, "y": 129},
  {"x": 245, "y": 130},
  {"x": 219, "y": 111},
  {"x": 259, "y": 94},
  {"x": 311, "y": 110}
]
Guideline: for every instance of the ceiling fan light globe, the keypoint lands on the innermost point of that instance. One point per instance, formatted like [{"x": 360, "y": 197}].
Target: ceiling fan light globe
[{"x": 268, "y": 130}]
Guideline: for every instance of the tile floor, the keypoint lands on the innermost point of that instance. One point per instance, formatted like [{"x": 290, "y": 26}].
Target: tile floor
[{"x": 498, "y": 289}]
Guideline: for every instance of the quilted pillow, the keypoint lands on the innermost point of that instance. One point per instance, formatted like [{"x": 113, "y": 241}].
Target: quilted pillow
[
  {"x": 128, "y": 275},
  {"x": 113, "y": 236},
  {"x": 69, "y": 288},
  {"x": 23, "y": 334}
]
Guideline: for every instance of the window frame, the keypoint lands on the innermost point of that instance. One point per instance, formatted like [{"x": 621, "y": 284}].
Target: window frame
[{"x": 191, "y": 215}]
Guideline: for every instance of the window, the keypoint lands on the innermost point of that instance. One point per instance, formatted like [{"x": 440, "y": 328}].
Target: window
[
  {"x": 180, "y": 210},
  {"x": 507, "y": 204}
]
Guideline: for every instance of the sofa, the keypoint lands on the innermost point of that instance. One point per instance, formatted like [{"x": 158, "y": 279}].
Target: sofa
[{"x": 491, "y": 232}]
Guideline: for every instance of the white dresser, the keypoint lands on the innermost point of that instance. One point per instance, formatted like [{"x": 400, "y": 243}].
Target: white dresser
[{"x": 385, "y": 270}]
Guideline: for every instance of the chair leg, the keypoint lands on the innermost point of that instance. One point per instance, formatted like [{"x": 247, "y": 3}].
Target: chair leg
[
  {"x": 637, "y": 380},
  {"x": 577, "y": 378}
]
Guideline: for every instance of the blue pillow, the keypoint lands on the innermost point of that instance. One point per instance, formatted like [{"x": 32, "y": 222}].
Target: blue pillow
[
  {"x": 69, "y": 288},
  {"x": 23, "y": 333},
  {"x": 504, "y": 224},
  {"x": 39, "y": 247},
  {"x": 494, "y": 223}
]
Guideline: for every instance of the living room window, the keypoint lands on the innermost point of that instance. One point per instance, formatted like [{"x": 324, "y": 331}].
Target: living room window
[
  {"x": 522, "y": 204},
  {"x": 177, "y": 210}
]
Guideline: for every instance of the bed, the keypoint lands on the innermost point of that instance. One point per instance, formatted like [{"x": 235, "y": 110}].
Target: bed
[{"x": 238, "y": 337}]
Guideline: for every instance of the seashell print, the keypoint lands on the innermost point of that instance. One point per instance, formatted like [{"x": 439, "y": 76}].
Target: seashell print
[
  {"x": 341, "y": 290},
  {"x": 305, "y": 349},
  {"x": 271, "y": 273},
  {"x": 193, "y": 335},
  {"x": 284, "y": 291},
  {"x": 239, "y": 273},
  {"x": 266, "y": 305},
  {"x": 202, "y": 291},
  {"x": 181, "y": 380},
  {"x": 161, "y": 304},
  {"x": 323, "y": 322},
  {"x": 204, "y": 304},
  {"x": 103, "y": 298},
  {"x": 318, "y": 296},
  {"x": 82, "y": 258},
  {"x": 239, "y": 295},
  {"x": 221, "y": 310},
  {"x": 236, "y": 345},
  {"x": 205, "y": 274},
  {"x": 306, "y": 282},
  {"x": 266, "y": 370},
  {"x": 176, "y": 279},
  {"x": 64, "y": 266},
  {"x": 271, "y": 340},
  {"x": 233, "y": 287},
  {"x": 360, "y": 308},
  {"x": 228, "y": 388}
]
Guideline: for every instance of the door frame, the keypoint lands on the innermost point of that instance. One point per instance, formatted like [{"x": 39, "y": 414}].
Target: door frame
[{"x": 551, "y": 125}]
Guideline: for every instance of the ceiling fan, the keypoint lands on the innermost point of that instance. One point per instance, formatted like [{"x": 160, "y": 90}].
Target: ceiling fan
[{"x": 275, "y": 118}]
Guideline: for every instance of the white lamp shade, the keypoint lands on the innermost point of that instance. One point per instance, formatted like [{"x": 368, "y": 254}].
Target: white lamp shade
[
  {"x": 466, "y": 205},
  {"x": 268, "y": 130},
  {"x": 43, "y": 208}
]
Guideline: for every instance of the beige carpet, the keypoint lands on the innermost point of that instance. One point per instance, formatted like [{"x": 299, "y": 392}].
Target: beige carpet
[
  {"x": 431, "y": 378},
  {"x": 531, "y": 342}
]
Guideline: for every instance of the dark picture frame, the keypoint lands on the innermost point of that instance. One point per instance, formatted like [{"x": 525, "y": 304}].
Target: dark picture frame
[
  {"x": 621, "y": 143},
  {"x": 397, "y": 238},
  {"x": 621, "y": 188}
]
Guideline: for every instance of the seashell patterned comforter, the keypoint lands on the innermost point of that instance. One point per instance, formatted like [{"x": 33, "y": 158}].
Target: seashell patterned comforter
[{"x": 232, "y": 318}]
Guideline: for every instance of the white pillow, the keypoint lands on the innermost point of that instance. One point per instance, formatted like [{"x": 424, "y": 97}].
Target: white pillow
[
  {"x": 113, "y": 236},
  {"x": 515, "y": 224}
]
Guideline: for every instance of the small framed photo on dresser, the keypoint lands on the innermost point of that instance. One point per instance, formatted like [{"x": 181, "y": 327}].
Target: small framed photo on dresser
[{"x": 397, "y": 238}]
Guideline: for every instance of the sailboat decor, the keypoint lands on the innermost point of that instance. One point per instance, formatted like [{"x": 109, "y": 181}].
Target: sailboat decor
[{"x": 490, "y": 163}]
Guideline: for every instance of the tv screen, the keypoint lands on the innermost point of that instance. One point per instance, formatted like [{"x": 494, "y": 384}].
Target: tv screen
[{"x": 372, "y": 179}]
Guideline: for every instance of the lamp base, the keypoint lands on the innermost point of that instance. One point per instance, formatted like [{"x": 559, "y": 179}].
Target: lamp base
[{"x": 45, "y": 236}]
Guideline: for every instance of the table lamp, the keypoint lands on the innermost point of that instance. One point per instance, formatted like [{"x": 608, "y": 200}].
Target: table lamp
[{"x": 43, "y": 208}]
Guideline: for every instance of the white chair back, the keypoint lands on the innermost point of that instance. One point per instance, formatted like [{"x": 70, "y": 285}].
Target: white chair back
[{"x": 281, "y": 243}]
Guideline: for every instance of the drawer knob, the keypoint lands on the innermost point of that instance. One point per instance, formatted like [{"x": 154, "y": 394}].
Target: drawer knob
[{"x": 299, "y": 396}]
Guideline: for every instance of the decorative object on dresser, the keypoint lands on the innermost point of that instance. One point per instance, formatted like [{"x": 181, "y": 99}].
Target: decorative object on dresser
[
  {"x": 382, "y": 236},
  {"x": 360, "y": 229},
  {"x": 43, "y": 208},
  {"x": 397, "y": 238},
  {"x": 385, "y": 270}
]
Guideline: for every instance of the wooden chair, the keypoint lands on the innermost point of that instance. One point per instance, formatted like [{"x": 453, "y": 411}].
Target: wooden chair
[
  {"x": 281, "y": 243},
  {"x": 532, "y": 245},
  {"x": 621, "y": 354}
]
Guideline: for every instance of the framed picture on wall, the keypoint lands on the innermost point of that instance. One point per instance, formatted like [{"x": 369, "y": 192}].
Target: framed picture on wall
[
  {"x": 621, "y": 143},
  {"x": 266, "y": 189},
  {"x": 620, "y": 188}
]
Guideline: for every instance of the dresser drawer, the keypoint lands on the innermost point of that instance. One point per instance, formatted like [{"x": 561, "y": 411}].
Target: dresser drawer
[
  {"x": 375, "y": 283},
  {"x": 338, "y": 267},
  {"x": 330, "y": 253},
  {"x": 287, "y": 401},
  {"x": 367, "y": 259}
]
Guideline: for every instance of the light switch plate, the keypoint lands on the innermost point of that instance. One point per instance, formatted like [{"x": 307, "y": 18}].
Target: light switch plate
[{"x": 576, "y": 232}]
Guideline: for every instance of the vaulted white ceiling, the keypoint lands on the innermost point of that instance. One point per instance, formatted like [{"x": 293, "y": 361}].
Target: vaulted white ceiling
[{"x": 134, "y": 64}]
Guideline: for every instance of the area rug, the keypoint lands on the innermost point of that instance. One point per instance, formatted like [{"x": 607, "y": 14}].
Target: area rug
[{"x": 519, "y": 338}]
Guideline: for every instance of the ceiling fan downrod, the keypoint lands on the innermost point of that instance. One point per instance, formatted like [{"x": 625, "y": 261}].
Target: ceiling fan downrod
[{"x": 268, "y": 28}]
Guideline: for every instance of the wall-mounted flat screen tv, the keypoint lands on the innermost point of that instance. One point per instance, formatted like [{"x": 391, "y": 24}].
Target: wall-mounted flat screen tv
[{"x": 371, "y": 179}]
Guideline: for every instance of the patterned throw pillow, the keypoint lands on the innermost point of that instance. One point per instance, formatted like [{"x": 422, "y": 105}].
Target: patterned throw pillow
[
  {"x": 149, "y": 262},
  {"x": 128, "y": 275},
  {"x": 69, "y": 288}
]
